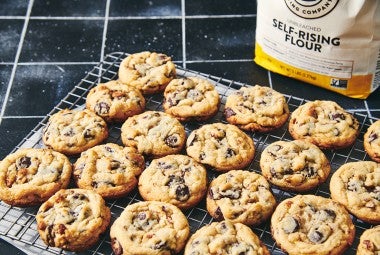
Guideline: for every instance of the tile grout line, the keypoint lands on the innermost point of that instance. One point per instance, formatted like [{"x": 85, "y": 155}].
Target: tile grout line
[
  {"x": 183, "y": 24},
  {"x": 13, "y": 73},
  {"x": 104, "y": 38}
]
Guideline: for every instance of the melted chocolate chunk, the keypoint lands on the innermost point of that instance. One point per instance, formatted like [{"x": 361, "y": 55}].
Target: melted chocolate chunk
[
  {"x": 88, "y": 135},
  {"x": 23, "y": 162},
  {"x": 230, "y": 153},
  {"x": 316, "y": 236},
  {"x": 228, "y": 112},
  {"x": 330, "y": 213},
  {"x": 164, "y": 165},
  {"x": 172, "y": 141},
  {"x": 182, "y": 192},
  {"x": 290, "y": 225},
  {"x": 116, "y": 247},
  {"x": 115, "y": 164},
  {"x": 193, "y": 140},
  {"x": 102, "y": 108},
  {"x": 218, "y": 214},
  {"x": 69, "y": 133},
  {"x": 202, "y": 156},
  {"x": 372, "y": 137},
  {"x": 337, "y": 116}
]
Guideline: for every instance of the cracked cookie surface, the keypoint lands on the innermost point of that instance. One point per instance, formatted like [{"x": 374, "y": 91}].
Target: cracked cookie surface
[
  {"x": 73, "y": 219},
  {"x": 150, "y": 72},
  {"x": 73, "y": 131},
  {"x": 114, "y": 101},
  {"x": 225, "y": 238},
  {"x": 240, "y": 196},
  {"x": 221, "y": 146},
  {"x": 176, "y": 179},
  {"x": 325, "y": 124},
  {"x": 369, "y": 243},
  {"x": 295, "y": 165},
  {"x": 309, "y": 224},
  {"x": 154, "y": 133},
  {"x": 256, "y": 108},
  {"x": 30, "y": 176},
  {"x": 191, "y": 98},
  {"x": 356, "y": 185},
  {"x": 372, "y": 141},
  {"x": 150, "y": 227},
  {"x": 109, "y": 169}
]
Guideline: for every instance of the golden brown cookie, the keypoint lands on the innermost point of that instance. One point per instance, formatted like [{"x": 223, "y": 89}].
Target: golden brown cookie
[
  {"x": 114, "y": 101},
  {"x": 149, "y": 228},
  {"x": 176, "y": 179},
  {"x": 356, "y": 185},
  {"x": 312, "y": 225},
  {"x": 73, "y": 131},
  {"x": 221, "y": 146},
  {"x": 369, "y": 243},
  {"x": 191, "y": 98},
  {"x": 240, "y": 196},
  {"x": 150, "y": 72},
  {"x": 154, "y": 133},
  {"x": 372, "y": 141},
  {"x": 225, "y": 238},
  {"x": 295, "y": 165},
  {"x": 109, "y": 169},
  {"x": 256, "y": 108},
  {"x": 73, "y": 219},
  {"x": 30, "y": 176},
  {"x": 325, "y": 124}
]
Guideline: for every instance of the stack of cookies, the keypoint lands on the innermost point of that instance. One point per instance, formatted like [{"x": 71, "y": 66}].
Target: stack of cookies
[{"x": 170, "y": 167}]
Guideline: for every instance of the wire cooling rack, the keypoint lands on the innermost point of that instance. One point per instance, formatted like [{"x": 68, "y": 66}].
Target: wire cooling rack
[{"x": 18, "y": 225}]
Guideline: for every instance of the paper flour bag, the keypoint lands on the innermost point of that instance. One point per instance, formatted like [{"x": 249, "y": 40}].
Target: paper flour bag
[{"x": 334, "y": 44}]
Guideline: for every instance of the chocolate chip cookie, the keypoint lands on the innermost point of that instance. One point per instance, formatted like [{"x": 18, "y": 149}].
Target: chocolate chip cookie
[
  {"x": 356, "y": 185},
  {"x": 30, "y": 176},
  {"x": 154, "y": 133},
  {"x": 372, "y": 141},
  {"x": 221, "y": 146},
  {"x": 225, "y": 238},
  {"x": 256, "y": 108},
  {"x": 191, "y": 98},
  {"x": 149, "y": 228},
  {"x": 176, "y": 179},
  {"x": 73, "y": 219},
  {"x": 114, "y": 101},
  {"x": 325, "y": 124},
  {"x": 109, "y": 169},
  {"x": 240, "y": 196},
  {"x": 309, "y": 224},
  {"x": 369, "y": 243},
  {"x": 73, "y": 131},
  {"x": 294, "y": 165},
  {"x": 150, "y": 72}
]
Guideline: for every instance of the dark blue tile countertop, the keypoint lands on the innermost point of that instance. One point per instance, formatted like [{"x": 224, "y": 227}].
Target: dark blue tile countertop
[{"x": 47, "y": 46}]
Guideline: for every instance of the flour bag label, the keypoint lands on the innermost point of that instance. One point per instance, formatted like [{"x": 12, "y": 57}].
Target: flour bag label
[{"x": 334, "y": 44}]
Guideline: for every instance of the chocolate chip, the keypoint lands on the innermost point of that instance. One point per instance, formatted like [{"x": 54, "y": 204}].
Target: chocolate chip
[
  {"x": 315, "y": 236},
  {"x": 194, "y": 95},
  {"x": 228, "y": 112},
  {"x": 218, "y": 214},
  {"x": 88, "y": 134},
  {"x": 194, "y": 138},
  {"x": 164, "y": 165},
  {"x": 69, "y": 132},
  {"x": 102, "y": 108},
  {"x": 61, "y": 229},
  {"x": 372, "y": 137},
  {"x": 310, "y": 171},
  {"x": 330, "y": 213},
  {"x": 141, "y": 216},
  {"x": 172, "y": 102},
  {"x": 336, "y": 132},
  {"x": 109, "y": 149},
  {"x": 290, "y": 225},
  {"x": 116, "y": 247},
  {"x": 115, "y": 164},
  {"x": 211, "y": 194},
  {"x": 23, "y": 162},
  {"x": 233, "y": 193},
  {"x": 337, "y": 116},
  {"x": 172, "y": 141},
  {"x": 50, "y": 235},
  {"x": 182, "y": 192},
  {"x": 230, "y": 153},
  {"x": 202, "y": 156},
  {"x": 160, "y": 246},
  {"x": 174, "y": 179}
]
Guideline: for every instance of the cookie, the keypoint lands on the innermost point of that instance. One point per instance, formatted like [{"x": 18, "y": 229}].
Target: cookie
[
  {"x": 221, "y": 146},
  {"x": 256, "y": 108},
  {"x": 114, "y": 101},
  {"x": 356, "y": 185},
  {"x": 240, "y": 196},
  {"x": 226, "y": 238},
  {"x": 30, "y": 176},
  {"x": 294, "y": 165},
  {"x": 73, "y": 219},
  {"x": 372, "y": 141},
  {"x": 191, "y": 98},
  {"x": 175, "y": 179},
  {"x": 149, "y": 228},
  {"x": 369, "y": 243},
  {"x": 309, "y": 224},
  {"x": 109, "y": 169},
  {"x": 325, "y": 124},
  {"x": 150, "y": 72},
  {"x": 154, "y": 133},
  {"x": 73, "y": 131}
]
